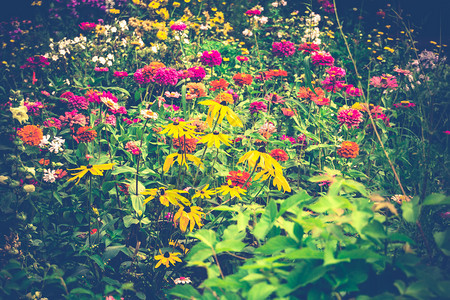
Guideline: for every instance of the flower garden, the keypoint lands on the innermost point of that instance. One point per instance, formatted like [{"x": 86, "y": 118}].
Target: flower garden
[{"x": 212, "y": 150}]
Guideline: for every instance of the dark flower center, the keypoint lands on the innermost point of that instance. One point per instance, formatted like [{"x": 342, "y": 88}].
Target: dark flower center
[
  {"x": 223, "y": 103},
  {"x": 89, "y": 166},
  {"x": 176, "y": 123},
  {"x": 162, "y": 191},
  {"x": 187, "y": 209},
  {"x": 166, "y": 254},
  {"x": 216, "y": 132}
]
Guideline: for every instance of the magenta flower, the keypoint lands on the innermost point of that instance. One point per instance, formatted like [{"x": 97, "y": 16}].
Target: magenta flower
[
  {"x": 211, "y": 58},
  {"x": 353, "y": 91},
  {"x": 322, "y": 58},
  {"x": 37, "y": 61},
  {"x": 350, "y": 117},
  {"x": 330, "y": 84},
  {"x": 98, "y": 69},
  {"x": 140, "y": 78},
  {"x": 385, "y": 81},
  {"x": 86, "y": 26},
  {"x": 283, "y": 49},
  {"x": 179, "y": 26},
  {"x": 404, "y": 104},
  {"x": 196, "y": 73},
  {"x": 166, "y": 76},
  {"x": 274, "y": 98},
  {"x": 336, "y": 72},
  {"x": 78, "y": 102},
  {"x": 308, "y": 47},
  {"x": 120, "y": 74},
  {"x": 253, "y": 12},
  {"x": 257, "y": 107},
  {"x": 132, "y": 148},
  {"x": 288, "y": 138}
]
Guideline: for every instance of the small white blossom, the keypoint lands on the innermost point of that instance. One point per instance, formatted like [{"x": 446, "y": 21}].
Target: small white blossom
[
  {"x": 45, "y": 141},
  {"x": 49, "y": 175}
]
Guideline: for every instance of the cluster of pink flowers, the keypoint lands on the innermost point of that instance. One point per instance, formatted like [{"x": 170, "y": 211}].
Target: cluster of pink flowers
[
  {"x": 166, "y": 76},
  {"x": 53, "y": 122},
  {"x": 34, "y": 108},
  {"x": 322, "y": 58},
  {"x": 120, "y": 74},
  {"x": 171, "y": 107},
  {"x": 308, "y": 47},
  {"x": 283, "y": 49},
  {"x": 350, "y": 117},
  {"x": 111, "y": 102},
  {"x": 353, "y": 91},
  {"x": 132, "y": 148},
  {"x": 334, "y": 82},
  {"x": 196, "y": 73},
  {"x": 253, "y": 12},
  {"x": 101, "y": 70},
  {"x": 386, "y": 81},
  {"x": 37, "y": 61},
  {"x": 179, "y": 26},
  {"x": 404, "y": 104},
  {"x": 336, "y": 72},
  {"x": 211, "y": 58},
  {"x": 131, "y": 121},
  {"x": 140, "y": 78},
  {"x": 267, "y": 129},
  {"x": 326, "y": 5},
  {"x": 86, "y": 26},
  {"x": 73, "y": 118},
  {"x": 288, "y": 138},
  {"x": 257, "y": 107},
  {"x": 106, "y": 119}
]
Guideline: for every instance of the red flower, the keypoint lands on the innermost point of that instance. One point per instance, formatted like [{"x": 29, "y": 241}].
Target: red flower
[
  {"x": 219, "y": 84},
  {"x": 238, "y": 178},
  {"x": 85, "y": 134},
  {"x": 242, "y": 79},
  {"x": 348, "y": 149},
  {"x": 279, "y": 154}
]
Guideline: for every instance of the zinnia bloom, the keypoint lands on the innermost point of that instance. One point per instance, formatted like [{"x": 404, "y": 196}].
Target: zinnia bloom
[
  {"x": 279, "y": 154},
  {"x": 322, "y": 58},
  {"x": 92, "y": 169},
  {"x": 186, "y": 145},
  {"x": 257, "y": 107},
  {"x": 196, "y": 73},
  {"x": 283, "y": 49},
  {"x": 85, "y": 134},
  {"x": 167, "y": 258},
  {"x": 197, "y": 89},
  {"x": 30, "y": 135},
  {"x": 348, "y": 150},
  {"x": 239, "y": 178},
  {"x": 211, "y": 58},
  {"x": 404, "y": 104},
  {"x": 350, "y": 117},
  {"x": 353, "y": 91},
  {"x": 120, "y": 74},
  {"x": 308, "y": 47},
  {"x": 179, "y": 26},
  {"x": 166, "y": 76},
  {"x": 274, "y": 98},
  {"x": 219, "y": 84},
  {"x": 242, "y": 58},
  {"x": 288, "y": 112},
  {"x": 242, "y": 79},
  {"x": 189, "y": 215}
]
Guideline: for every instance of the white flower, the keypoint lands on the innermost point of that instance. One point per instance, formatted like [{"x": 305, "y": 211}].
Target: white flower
[
  {"x": 109, "y": 63},
  {"x": 45, "y": 141},
  {"x": 49, "y": 175},
  {"x": 154, "y": 49},
  {"x": 263, "y": 20},
  {"x": 102, "y": 60},
  {"x": 182, "y": 280},
  {"x": 113, "y": 29},
  {"x": 76, "y": 40},
  {"x": 204, "y": 27},
  {"x": 247, "y": 32},
  {"x": 149, "y": 114},
  {"x": 275, "y": 4},
  {"x": 95, "y": 59},
  {"x": 55, "y": 57},
  {"x": 284, "y": 3},
  {"x": 56, "y": 145},
  {"x": 110, "y": 56}
]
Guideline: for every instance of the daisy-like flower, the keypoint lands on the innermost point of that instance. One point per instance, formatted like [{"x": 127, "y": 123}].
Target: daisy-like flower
[
  {"x": 166, "y": 196},
  {"x": 189, "y": 215},
  {"x": 49, "y": 175},
  {"x": 233, "y": 190},
  {"x": 149, "y": 114},
  {"x": 215, "y": 138},
  {"x": 204, "y": 193},
  {"x": 93, "y": 169},
  {"x": 178, "y": 129},
  {"x": 181, "y": 158},
  {"x": 182, "y": 280},
  {"x": 167, "y": 258},
  {"x": 221, "y": 111}
]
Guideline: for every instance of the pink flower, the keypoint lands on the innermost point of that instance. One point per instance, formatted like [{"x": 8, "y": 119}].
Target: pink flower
[
  {"x": 322, "y": 58},
  {"x": 404, "y": 104},
  {"x": 330, "y": 84},
  {"x": 353, "y": 91},
  {"x": 171, "y": 107},
  {"x": 78, "y": 102},
  {"x": 211, "y": 58},
  {"x": 274, "y": 98},
  {"x": 283, "y": 49},
  {"x": 172, "y": 94},
  {"x": 267, "y": 129},
  {"x": 336, "y": 72},
  {"x": 326, "y": 5},
  {"x": 140, "y": 78},
  {"x": 350, "y": 117},
  {"x": 120, "y": 74},
  {"x": 166, "y": 76},
  {"x": 447, "y": 132},
  {"x": 288, "y": 138},
  {"x": 385, "y": 81},
  {"x": 253, "y": 12},
  {"x": 37, "y": 61},
  {"x": 34, "y": 107},
  {"x": 98, "y": 69},
  {"x": 132, "y": 148},
  {"x": 86, "y": 26},
  {"x": 72, "y": 118},
  {"x": 288, "y": 112},
  {"x": 196, "y": 73},
  {"x": 53, "y": 122},
  {"x": 308, "y": 47},
  {"x": 242, "y": 58},
  {"x": 179, "y": 26},
  {"x": 257, "y": 107}
]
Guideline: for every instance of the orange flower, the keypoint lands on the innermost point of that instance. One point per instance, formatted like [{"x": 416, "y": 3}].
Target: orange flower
[
  {"x": 85, "y": 134},
  {"x": 224, "y": 97},
  {"x": 44, "y": 162},
  {"x": 242, "y": 79},
  {"x": 219, "y": 84},
  {"x": 307, "y": 93},
  {"x": 30, "y": 135},
  {"x": 196, "y": 88},
  {"x": 186, "y": 145},
  {"x": 348, "y": 149}
]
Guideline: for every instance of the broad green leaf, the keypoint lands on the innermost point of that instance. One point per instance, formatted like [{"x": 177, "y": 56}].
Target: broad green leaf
[
  {"x": 207, "y": 236},
  {"x": 123, "y": 169},
  {"x": 410, "y": 211},
  {"x": 436, "y": 199},
  {"x": 128, "y": 220},
  {"x": 229, "y": 245},
  {"x": 442, "y": 240},
  {"x": 266, "y": 221},
  {"x": 305, "y": 253},
  {"x": 260, "y": 291},
  {"x": 185, "y": 292},
  {"x": 276, "y": 244},
  {"x": 296, "y": 199}
]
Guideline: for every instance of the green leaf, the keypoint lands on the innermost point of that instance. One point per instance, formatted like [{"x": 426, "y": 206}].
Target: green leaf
[
  {"x": 185, "y": 292},
  {"x": 436, "y": 199},
  {"x": 293, "y": 200},
  {"x": 375, "y": 230},
  {"x": 206, "y": 236},
  {"x": 112, "y": 251},
  {"x": 123, "y": 169},
  {"x": 442, "y": 240},
  {"x": 305, "y": 253},
  {"x": 267, "y": 219},
  {"x": 260, "y": 291},
  {"x": 128, "y": 220},
  {"x": 57, "y": 197},
  {"x": 98, "y": 260},
  {"x": 138, "y": 203},
  {"x": 81, "y": 291},
  {"x": 229, "y": 245},
  {"x": 410, "y": 211},
  {"x": 276, "y": 244}
]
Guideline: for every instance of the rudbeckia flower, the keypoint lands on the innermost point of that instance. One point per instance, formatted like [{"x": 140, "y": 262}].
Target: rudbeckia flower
[
  {"x": 215, "y": 138},
  {"x": 181, "y": 158},
  {"x": 165, "y": 196},
  {"x": 204, "y": 193},
  {"x": 221, "y": 111},
  {"x": 234, "y": 191},
  {"x": 189, "y": 215},
  {"x": 167, "y": 258},
  {"x": 178, "y": 129},
  {"x": 93, "y": 169}
]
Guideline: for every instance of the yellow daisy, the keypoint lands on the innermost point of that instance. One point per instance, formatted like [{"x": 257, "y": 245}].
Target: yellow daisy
[
  {"x": 166, "y": 196},
  {"x": 178, "y": 129},
  {"x": 204, "y": 193},
  {"x": 189, "y": 215},
  {"x": 181, "y": 158},
  {"x": 221, "y": 111},
  {"x": 234, "y": 191},
  {"x": 215, "y": 138},
  {"x": 167, "y": 258},
  {"x": 93, "y": 169}
]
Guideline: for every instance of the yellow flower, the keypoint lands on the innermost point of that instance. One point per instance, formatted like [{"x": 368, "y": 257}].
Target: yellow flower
[
  {"x": 189, "y": 215},
  {"x": 162, "y": 35},
  {"x": 182, "y": 159},
  {"x": 278, "y": 179},
  {"x": 433, "y": 42},
  {"x": 379, "y": 58},
  {"x": 176, "y": 4},
  {"x": 167, "y": 258},
  {"x": 226, "y": 59},
  {"x": 179, "y": 129},
  {"x": 163, "y": 13},
  {"x": 165, "y": 196},
  {"x": 234, "y": 191},
  {"x": 187, "y": 1},
  {"x": 93, "y": 169},
  {"x": 204, "y": 193},
  {"x": 179, "y": 246},
  {"x": 136, "y": 2},
  {"x": 154, "y": 5},
  {"x": 221, "y": 111},
  {"x": 19, "y": 113},
  {"x": 114, "y": 11},
  {"x": 215, "y": 138}
]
